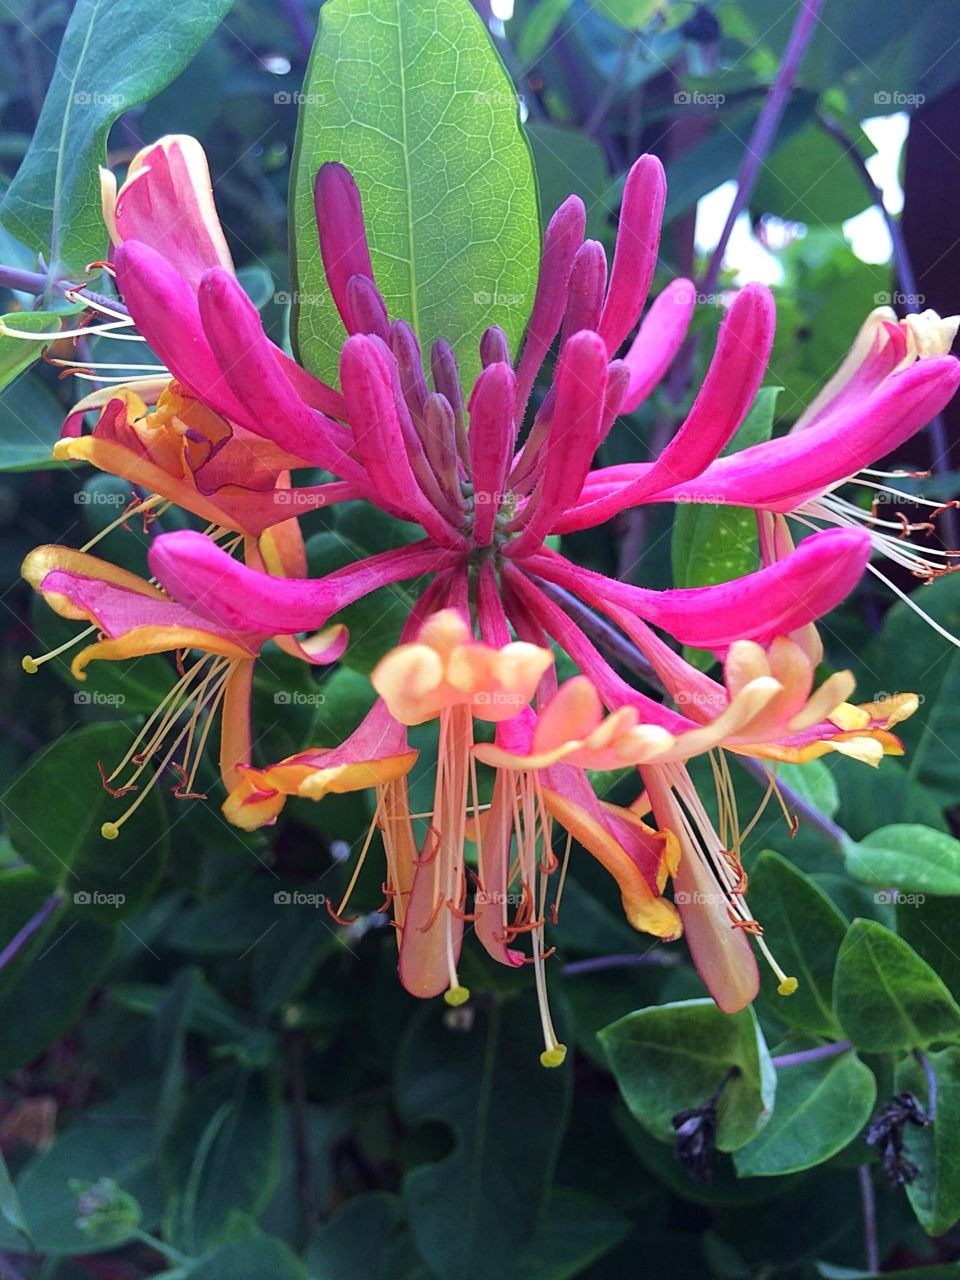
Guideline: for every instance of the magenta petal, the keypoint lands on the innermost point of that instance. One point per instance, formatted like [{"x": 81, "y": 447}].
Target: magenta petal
[
  {"x": 561, "y": 240},
  {"x": 119, "y": 610},
  {"x": 781, "y": 474},
  {"x": 371, "y": 387},
  {"x": 491, "y": 445},
  {"x": 588, "y": 281},
  {"x": 343, "y": 236},
  {"x": 658, "y": 340},
  {"x": 635, "y": 257},
  {"x": 199, "y": 574},
  {"x": 774, "y": 601},
  {"x": 271, "y": 407},
  {"x": 166, "y": 311},
  {"x": 575, "y": 425}
]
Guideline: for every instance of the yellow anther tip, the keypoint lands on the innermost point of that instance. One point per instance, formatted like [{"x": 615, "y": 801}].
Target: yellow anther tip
[
  {"x": 30, "y": 665},
  {"x": 60, "y": 451},
  {"x": 787, "y": 987},
  {"x": 553, "y": 1057},
  {"x": 456, "y": 996},
  {"x": 109, "y": 831}
]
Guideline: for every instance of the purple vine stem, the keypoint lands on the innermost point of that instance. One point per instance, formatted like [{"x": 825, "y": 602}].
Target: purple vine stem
[
  {"x": 626, "y": 960},
  {"x": 295, "y": 13},
  {"x": 35, "y": 922},
  {"x": 811, "y": 1055},
  {"x": 928, "y": 1071},
  {"x": 617, "y": 646},
  {"x": 765, "y": 130},
  {"x": 868, "y": 1208},
  {"x": 36, "y": 282}
]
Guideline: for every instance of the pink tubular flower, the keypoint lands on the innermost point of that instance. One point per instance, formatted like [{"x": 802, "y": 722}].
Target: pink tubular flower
[{"x": 487, "y": 493}]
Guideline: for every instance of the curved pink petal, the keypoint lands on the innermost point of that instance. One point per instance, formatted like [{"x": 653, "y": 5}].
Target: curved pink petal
[
  {"x": 491, "y": 438},
  {"x": 779, "y": 475},
  {"x": 728, "y": 391},
  {"x": 272, "y": 408},
  {"x": 635, "y": 256},
  {"x": 198, "y": 573},
  {"x": 167, "y": 203},
  {"x": 574, "y": 433},
  {"x": 773, "y": 601},
  {"x": 658, "y": 340},
  {"x": 342, "y": 234},
  {"x": 561, "y": 240}
]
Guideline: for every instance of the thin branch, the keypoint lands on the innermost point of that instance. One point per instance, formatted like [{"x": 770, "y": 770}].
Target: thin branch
[
  {"x": 928, "y": 1071},
  {"x": 868, "y": 1203},
  {"x": 811, "y": 1055},
  {"x": 626, "y": 960},
  {"x": 36, "y": 921},
  {"x": 36, "y": 282}
]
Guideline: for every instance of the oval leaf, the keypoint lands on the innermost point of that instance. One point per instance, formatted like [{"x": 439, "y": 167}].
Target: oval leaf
[
  {"x": 821, "y": 1106},
  {"x": 886, "y": 997},
  {"x": 908, "y": 857},
  {"x": 674, "y": 1056},
  {"x": 413, "y": 99}
]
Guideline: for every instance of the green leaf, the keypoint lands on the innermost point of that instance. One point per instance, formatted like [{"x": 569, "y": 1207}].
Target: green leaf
[
  {"x": 809, "y": 179},
  {"x": 577, "y": 1229},
  {"x": 910, "y": 655},
  {"x": 114, "y": 55},
  {"x": 30, "y": 421},
  {"x": 674, "y": 1056},
  {"x": 570, "y": 163},
  {"x": 632, "y": 14},
  {"x": 17, "y": 354},
  {"x": 63, "y": 959},
  {"x": 539, "y": 26},
  {"x": 413, "y": 99},
  {"x": 935, "y": 1192},
  {"x": 54, "y": 811},
  {"x": 821, "y": 1106},
  {"x": 908, "y": 858},
  {"x": 220, "y": 1155},
  {"x": 814, "y": 781},
  {"x": 886, "y": 997},
  {"x": 805, "y": 931},
  {"x": 108, "y": 1140},
  {"x": 256, "y": 1257},
  {"x": 471, "y": 1212},
  {"x": 358, "y": 1240},
  {"x": 10, "y": 1207},
  {"x": 929, "y": 928}
]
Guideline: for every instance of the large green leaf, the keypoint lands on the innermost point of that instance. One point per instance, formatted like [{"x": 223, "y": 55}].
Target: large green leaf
[
  {"x": 220, "y": 1156},
  {"x": 414, "y": 101},
  {"x": 907, "y": 857},
  {"x": 471, "y": 1212},
  {"x": 54, "y": 811},
  {"x": 255, "y": 1257},
  {"x": 935, "y": 1192},
  {"x": 115, "y": 54},
  {"x": 806, "y": 931},
  {"x": 821, "y": 1106},
  {"x": 886, "y": 997},
  {"x": 674, "y": 1056},
  {"x": 570, "y": 162}
]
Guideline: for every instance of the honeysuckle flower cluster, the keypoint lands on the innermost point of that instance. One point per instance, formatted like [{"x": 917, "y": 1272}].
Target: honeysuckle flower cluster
[{"x": 220, "y": 426}]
